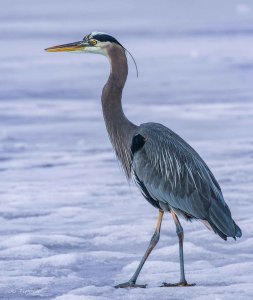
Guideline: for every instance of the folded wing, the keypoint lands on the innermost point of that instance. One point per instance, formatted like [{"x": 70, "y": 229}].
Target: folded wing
[{"x": 171, "y": 172}]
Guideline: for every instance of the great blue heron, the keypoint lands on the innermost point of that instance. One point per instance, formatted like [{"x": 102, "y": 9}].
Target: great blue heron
[{"x": 168, "y": 171}]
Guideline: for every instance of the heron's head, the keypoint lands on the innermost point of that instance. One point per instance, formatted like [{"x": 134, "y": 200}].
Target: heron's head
[{"x": 95, "y": 42}]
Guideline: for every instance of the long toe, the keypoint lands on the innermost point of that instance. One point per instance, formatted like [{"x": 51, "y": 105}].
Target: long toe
[
  {"x": 183, "y": 284},
  {"x": 130, "y": 285}
]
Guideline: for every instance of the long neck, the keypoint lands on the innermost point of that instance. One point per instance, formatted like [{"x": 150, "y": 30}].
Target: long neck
[{"x": 120, "y": 129}]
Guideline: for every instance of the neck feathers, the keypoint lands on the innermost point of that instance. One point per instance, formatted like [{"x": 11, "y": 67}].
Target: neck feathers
[{"x": 119, "y": 128}]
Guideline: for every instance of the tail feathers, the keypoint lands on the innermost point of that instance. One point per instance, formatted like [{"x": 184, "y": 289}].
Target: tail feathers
[
  {"x": 238, "y": 232},
  {"x": 221, "y": 221},
  {"x": 216, "y": 230}
]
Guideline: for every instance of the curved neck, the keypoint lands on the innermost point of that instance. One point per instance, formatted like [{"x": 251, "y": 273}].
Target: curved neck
[{"x": 119, "y": 128}]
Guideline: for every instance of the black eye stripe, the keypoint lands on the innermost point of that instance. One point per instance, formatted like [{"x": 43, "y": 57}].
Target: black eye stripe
[
  {"x": 105, "y": 38},
  {"x": 101, "y": 38}
]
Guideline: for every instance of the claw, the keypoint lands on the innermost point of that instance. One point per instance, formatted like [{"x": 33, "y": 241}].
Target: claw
[
  {"x": 183, "y": 284},
  {"x": 130, "y": 285}
]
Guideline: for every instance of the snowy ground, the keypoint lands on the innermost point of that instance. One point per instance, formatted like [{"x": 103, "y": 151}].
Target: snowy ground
[{"x": 70, "y": 225}]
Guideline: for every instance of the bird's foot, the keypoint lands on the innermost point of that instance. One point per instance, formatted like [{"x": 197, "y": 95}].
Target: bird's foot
[
  {"x": 181, "y": 283},
  {"x": 130, "y": 284}
]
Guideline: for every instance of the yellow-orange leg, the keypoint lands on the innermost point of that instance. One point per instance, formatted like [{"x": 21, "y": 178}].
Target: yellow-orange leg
[{"x": 154, "y": 240}]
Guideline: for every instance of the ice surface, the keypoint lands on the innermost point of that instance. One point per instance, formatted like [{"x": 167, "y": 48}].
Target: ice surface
[{"x": 71, "y": 227}]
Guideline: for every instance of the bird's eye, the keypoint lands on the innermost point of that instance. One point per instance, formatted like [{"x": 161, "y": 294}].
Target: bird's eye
[{"x": 93, "y": 42}]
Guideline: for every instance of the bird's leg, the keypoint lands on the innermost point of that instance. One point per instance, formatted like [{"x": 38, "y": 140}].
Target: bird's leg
[
  {"x": 180, "y": 234},
  {"x": 152, "y": 244}
]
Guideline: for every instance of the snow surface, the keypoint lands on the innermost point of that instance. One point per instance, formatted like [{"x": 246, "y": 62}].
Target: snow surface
[{"x": 71, "y": 227}]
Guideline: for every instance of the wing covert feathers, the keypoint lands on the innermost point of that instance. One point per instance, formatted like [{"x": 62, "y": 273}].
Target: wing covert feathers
[{"x": 174, "y": 174}]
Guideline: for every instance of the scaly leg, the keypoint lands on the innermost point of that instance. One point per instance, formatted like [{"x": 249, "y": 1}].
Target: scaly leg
[
  {"x": 180, "y": 233},
  {"x": 152, "y": 244}
]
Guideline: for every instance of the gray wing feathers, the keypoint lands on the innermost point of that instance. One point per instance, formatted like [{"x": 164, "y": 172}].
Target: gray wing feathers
[{"x": 175, "y": 174}]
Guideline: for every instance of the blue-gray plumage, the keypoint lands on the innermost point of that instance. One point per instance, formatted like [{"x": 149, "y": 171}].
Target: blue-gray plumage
[
  {"x": 178, "y": 179},
  {"x": 169, "y": 172}
]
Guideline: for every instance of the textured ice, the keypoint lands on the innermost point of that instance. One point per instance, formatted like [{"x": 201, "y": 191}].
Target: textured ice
[{"x": 71, "y": 227}]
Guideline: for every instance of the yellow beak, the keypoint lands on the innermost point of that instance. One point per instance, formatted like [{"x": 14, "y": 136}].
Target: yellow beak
[{"x": 77, "y": 46}]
